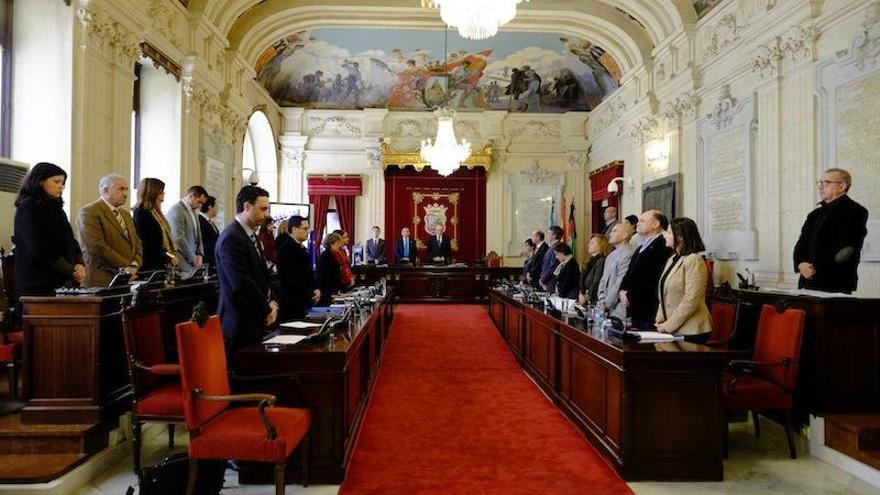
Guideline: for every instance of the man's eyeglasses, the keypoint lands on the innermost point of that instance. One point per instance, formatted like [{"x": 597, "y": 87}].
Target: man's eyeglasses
[{"x": 824, "y": 182}]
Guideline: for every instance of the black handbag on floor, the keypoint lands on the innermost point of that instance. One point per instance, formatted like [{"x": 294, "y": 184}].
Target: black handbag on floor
[{"x": 169, "y": 476}]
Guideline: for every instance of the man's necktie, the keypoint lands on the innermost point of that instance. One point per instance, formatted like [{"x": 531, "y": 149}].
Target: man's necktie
[
  {"x": 258, "y": 246},
  {"x": 121, "y": 222},
  {"x": 406, "y": 248}
]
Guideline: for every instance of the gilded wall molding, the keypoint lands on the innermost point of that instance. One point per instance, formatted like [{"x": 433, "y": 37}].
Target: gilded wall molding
[{"x": 395, "y": 158}]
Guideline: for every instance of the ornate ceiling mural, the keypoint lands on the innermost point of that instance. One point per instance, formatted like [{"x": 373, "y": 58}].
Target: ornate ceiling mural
[
  {"x": 403, "y": 69},
  {"x": 704, "y": 6}
]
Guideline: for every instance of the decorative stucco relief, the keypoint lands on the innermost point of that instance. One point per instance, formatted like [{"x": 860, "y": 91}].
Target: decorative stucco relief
[
  {"x": 335, "y": 126},
  {"x": 682, "y": 110},
  {"x": 722, "y": 114},
  {"x": 796, "y": 46},
  {"x": 104, "y": 33}
]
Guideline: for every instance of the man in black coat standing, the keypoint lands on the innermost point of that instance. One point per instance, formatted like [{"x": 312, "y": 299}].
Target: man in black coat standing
[
  {"x": 210, "y": 232},
  {"x": 541, "y": 249},
  {"x": 299, "y": 289},
  {"x": 439, "y": 246},
  {"x": 246, "y": 306},
  {"x": 376, "y": 247},
  {"x": 638, "y": 291},
  {"x": 828, "y": 252}
]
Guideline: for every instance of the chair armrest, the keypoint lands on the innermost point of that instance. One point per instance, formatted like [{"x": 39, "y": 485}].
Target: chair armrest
[
  {"x": 264, "y": 400},
  {"x": 164, "y": 369},
  {"x": 742, "y": 366}
]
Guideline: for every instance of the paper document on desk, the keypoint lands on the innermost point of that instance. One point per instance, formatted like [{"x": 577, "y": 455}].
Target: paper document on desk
[
  {"x": 285, "y": 339},
  {"x": 648, "y": 336},
  {"x": 299, "y": 325}
]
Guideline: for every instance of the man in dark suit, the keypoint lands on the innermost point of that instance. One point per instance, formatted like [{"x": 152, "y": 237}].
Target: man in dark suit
[
  {"x": 439, "y": 246},
  {"x": 638, "y": 291},
  {"x": 541, "y": 249},
  {"x": 209, "y": 229},
  {"x": 299, "y": 289},
  {"x": 406, "y": 250},
  {"x": 610, "y": 216},
  {"x": 828, "y": 252},
  {"x": 376, "y": 247},
  {"x": 246, "y": 306},
  {"x": 549, "y": 263}
]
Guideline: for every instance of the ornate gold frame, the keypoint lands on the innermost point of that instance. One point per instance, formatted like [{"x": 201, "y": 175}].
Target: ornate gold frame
[
  {"x": 394, "y": 158},
  {"x": 417, "y": 219}
]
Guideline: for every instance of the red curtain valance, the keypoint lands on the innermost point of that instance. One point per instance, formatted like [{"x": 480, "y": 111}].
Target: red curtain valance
[
  {"x": 599, "y": 180},
  {"x": 335, "y": 186}
]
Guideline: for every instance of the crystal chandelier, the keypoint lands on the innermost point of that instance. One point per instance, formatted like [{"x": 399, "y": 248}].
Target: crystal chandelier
[
  {"x": 445, "y": 154},
  {"x": 476, "y": 19}
]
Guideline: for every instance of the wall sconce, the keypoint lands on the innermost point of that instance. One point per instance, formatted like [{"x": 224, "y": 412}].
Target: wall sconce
[
  {"x": 252, "y": 178},
  {"x": 614, "y": 189},
  {"x": 657, "y": 154}
]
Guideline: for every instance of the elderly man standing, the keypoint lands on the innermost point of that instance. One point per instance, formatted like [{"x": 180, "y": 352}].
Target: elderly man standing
[
  {"x": 828, "y": 251},
  {"x": 616, "y": 266},
  {"x": 183, "y": 217},
  {"x": 107, "y": 234},
  {"x": 610, "y": 215},
  {"x": 549, "y": 263},
  {"x": 638, "y": 291}
]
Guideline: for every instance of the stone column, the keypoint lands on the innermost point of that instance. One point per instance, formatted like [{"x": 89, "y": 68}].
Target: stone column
[{"x": 290, "y": 184}]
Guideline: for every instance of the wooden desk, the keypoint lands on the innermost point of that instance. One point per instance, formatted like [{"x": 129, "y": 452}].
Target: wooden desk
[
  {"x": 333, "y": 380},
  {"x": 653, "y": 410},
  {"x": 445, "y": 284},
  {"x": 839, "y": 370},
  {"x": 74, "y": 355}
]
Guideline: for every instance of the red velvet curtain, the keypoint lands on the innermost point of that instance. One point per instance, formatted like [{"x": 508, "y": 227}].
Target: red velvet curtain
[
  {"x": 322, "y": 204},
  {"x": 345, "y": 209},
  {"x": 599, "y": 192}
]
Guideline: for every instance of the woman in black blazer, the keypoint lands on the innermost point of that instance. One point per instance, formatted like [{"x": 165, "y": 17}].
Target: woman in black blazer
[
  {"x": 567, "y": 273},
  {"x": 598, "y": 249},
  {"x": 152, "y": 227},
  {"x": 47, "y": 255},
  {"x": 529, "y": 253},
  {"x": 328, "y": 271}
]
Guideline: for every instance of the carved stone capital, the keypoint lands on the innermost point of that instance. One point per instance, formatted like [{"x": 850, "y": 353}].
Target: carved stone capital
[
  {"x": 292, "y": 157},
  {"x": 164, "y": 20},
  {"x": 104, "y": 33},
  {"x": 683, "y": 109},
  {"x": 577, "y": 160},
  {"x": 796, "y": 46},
  {"x": 645, "y": 129}
]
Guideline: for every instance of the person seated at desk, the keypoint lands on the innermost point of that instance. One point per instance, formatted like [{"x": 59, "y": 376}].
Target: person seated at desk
[
  {"x": 439, "y": 246},
  {"x": 406, "y": 250},
  {"x": 46, "y": 251},
  {"x": 376, "y": 247},
  {"x": 152, "y": 227},
  {"x": 329, "y": 269},
  {"x": 682, "y": 289},
  {"x": 567, "y": 273}
]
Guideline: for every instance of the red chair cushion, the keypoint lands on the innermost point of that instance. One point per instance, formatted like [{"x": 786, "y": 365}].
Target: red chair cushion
[
  {"x": 779, "y": 337},
  {"x": 754, "y": 393},
  {"x": 723, "y": 315},
  {"x": 239, "y": 434},
  {"x": 15, "y": 337},
  {"x": 165, "y": 369},
  {"x": 147, "y": 343},
  {"x": 9, "y": 353},
  {"x": 164, "y": 400}
]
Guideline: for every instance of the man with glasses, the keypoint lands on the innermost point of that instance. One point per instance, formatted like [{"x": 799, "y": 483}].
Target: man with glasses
[
  {"x": 299, "y": 288},
  {"x": 828, "y": 251}
]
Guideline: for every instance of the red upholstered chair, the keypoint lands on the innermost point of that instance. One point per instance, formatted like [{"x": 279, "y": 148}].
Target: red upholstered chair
[
  {"x": 260, "y": 434},
  {"x": 13, "y": 335},
  {"x": 723, "y": 322},
  {"x": 156, "y": 384},
  {"x": 10, "y": 360},
  {"x": 767, "y": 382}
]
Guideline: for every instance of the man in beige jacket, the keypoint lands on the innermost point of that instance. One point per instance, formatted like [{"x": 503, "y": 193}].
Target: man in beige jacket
[{"x": 107, "y": 233}]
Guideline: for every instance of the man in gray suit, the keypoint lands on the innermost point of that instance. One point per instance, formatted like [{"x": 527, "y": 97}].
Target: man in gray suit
[
  {"x": 376, "y": 247},
  {"x": 183, "y": 217},
  {"x": 616, "y": 265},
  {"x": 548, "y": 280}
]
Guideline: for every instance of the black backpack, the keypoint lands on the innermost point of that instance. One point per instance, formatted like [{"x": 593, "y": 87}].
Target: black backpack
[{"x": 169, "y": 477}]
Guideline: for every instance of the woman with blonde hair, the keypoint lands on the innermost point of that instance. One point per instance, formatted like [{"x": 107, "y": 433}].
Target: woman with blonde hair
[
  {"x": 599, "y": 248},
  {"x": 152, "y": 227}
]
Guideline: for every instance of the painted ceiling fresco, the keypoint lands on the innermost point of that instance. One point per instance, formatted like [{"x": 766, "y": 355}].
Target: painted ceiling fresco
[{"x": 418, "y": 70}]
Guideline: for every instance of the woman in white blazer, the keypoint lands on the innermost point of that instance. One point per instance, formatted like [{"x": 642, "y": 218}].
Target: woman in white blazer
[{"x": 682, "y": 288}]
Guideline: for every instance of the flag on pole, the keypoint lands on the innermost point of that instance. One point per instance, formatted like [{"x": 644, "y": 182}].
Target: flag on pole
[
  {"x": 572, "y": 227},
  {"x": 562, "y": 219},
  {"x": 552, "y": 211}
]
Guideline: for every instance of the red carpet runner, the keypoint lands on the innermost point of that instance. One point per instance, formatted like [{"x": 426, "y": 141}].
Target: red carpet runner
[{"x": 453, "y": 413}]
